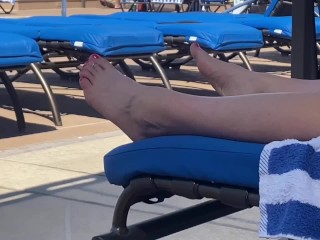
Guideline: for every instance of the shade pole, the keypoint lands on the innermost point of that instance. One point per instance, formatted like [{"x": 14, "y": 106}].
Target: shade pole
[
  {"x": 304, "y": 64},
  {"x": 64, "y": 8}
]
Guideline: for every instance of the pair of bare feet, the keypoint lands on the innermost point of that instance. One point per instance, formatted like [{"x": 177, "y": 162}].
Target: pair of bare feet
[{"x": 124, "y": 102}]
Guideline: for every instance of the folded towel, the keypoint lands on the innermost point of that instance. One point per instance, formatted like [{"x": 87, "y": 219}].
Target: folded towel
[{"x": 289, "y": 189}]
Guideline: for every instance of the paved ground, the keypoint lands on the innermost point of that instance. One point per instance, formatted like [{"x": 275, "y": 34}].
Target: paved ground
[{"x": 51, "y": 183}]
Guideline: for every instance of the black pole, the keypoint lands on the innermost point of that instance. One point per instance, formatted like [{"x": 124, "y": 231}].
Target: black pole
[{"x": 304, "y": 64}]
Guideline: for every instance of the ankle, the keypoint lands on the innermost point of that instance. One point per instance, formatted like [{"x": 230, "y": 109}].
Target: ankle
[{"x": 144, "y": 115}]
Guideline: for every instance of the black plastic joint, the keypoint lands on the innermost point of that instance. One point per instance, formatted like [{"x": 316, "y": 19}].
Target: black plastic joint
[
  {"x": 237, "y": 198},
  {"x": 186, "y": 189}
]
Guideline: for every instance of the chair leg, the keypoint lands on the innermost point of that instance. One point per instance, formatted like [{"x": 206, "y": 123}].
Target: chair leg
[
  {"x": 159, "y": 69},
  {"x": 144, "y": 189},
  {"x": 125, "y": 68},
  {"x": 257, "y": 53},
  {"x": 52, "y": 101},
  {"x": 15, "y": 101},
  {"x": 245, "y": 60}
]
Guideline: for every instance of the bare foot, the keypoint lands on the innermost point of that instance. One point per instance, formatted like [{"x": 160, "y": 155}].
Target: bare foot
[
  {"x": 110, "y": 93},
  {"x": 227, "y": 79},
  {"x": 107, "y": 3}
]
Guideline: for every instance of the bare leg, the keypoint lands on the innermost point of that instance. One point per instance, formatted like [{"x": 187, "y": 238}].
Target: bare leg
[
  {"x": 117, "y": 4},
  {"x": 109, "y": 4},
  {"x": 144, "y": 111},
  {"x": 230, "y": 79}
]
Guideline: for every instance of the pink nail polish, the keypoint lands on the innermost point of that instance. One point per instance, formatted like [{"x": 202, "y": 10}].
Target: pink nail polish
[
  {"x": 96, "y": 56},
  {"x": 197, "y": 45}
]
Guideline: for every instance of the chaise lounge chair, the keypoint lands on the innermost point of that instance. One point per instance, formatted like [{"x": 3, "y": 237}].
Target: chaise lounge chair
[
  {"x": 218, "y": 38},
  {"x": 282, "y": 178},
  {"x": 194, "y": 167},
  {"x": 19, "y": 53},
  {"x": 60, "y": 33},
  {"x": 58, "y": 36}
]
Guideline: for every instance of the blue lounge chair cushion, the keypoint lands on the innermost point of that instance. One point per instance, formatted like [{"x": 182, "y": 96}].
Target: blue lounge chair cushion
[
  {"x": 276, "y": 26},
  {"x": 108, "y": 40},
  {"x": 48, "y": 21},
  {"x": 56, "y": 21},
  {"x": 30, "y": 32},
  {"x": 187, "y": 157},
  {"x": 164, "y": 17},
  {"x": 104, "y": 38},
  {"x": 216, "y": 36},
  {"x": 221, "y": 36},
  {"x": 18, "y": 50},
  {"x": 91, "y": 19}
]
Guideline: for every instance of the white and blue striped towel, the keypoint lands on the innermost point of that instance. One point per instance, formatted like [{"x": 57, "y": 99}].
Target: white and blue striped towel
[{"x": 289, "y": 190}]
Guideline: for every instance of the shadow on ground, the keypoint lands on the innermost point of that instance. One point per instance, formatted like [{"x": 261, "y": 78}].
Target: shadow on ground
[
  {"x": 11, "y": 129},
  {"x": 64, "y": 207}
]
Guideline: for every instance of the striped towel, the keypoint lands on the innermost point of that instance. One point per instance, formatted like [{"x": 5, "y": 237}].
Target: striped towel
[{"x": 290, "y": 189}]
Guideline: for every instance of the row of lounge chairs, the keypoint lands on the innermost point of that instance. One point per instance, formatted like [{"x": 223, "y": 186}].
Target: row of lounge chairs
[
  {"x": 75, "y": 37},
  {"x": 141, "y": 36}
]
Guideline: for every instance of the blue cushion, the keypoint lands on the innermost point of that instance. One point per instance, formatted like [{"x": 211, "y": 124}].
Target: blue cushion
[
  {"x": 93, "y": 19},
  {"x": 52, "y": 21},
  {"x": 18, "y": 50},
  {"x": 277, "y": 26},
  {"x": 165, "y": 17},
  {"x": 216, "y": 36},
  {"x": 108, "y": 40},
  {"x": 56, "y": 21},
  {"x": 271, "y": 7},
  {"x": 188, "y": 157},
  {"x": 104, "y": 38},
  {"x": 171, "y": 17},
  {"x": 31, "y": 32},
  {"x": 39, "y": 22}
]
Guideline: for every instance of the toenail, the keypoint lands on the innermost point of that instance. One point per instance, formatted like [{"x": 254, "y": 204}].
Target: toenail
[
  {"x": 197, "y": 45},
  {"x": 96, "y": 56}
]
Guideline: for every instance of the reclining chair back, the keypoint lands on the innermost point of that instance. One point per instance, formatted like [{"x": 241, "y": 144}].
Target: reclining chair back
[{"x": 279, "y": 8}]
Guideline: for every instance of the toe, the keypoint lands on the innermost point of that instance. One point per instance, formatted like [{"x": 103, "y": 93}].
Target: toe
[
  {"x": 94, "y": 56},
  {"x": 195, "y": 50},
  {"x": 85, "y": 83},
  {"x": 86, "y": 78},
  {"x": 203, "y": 60},
  {"x": 86, "y": 73},
  {"x": 100, "y": 62},
  {"x": 198, "y": 53}
]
